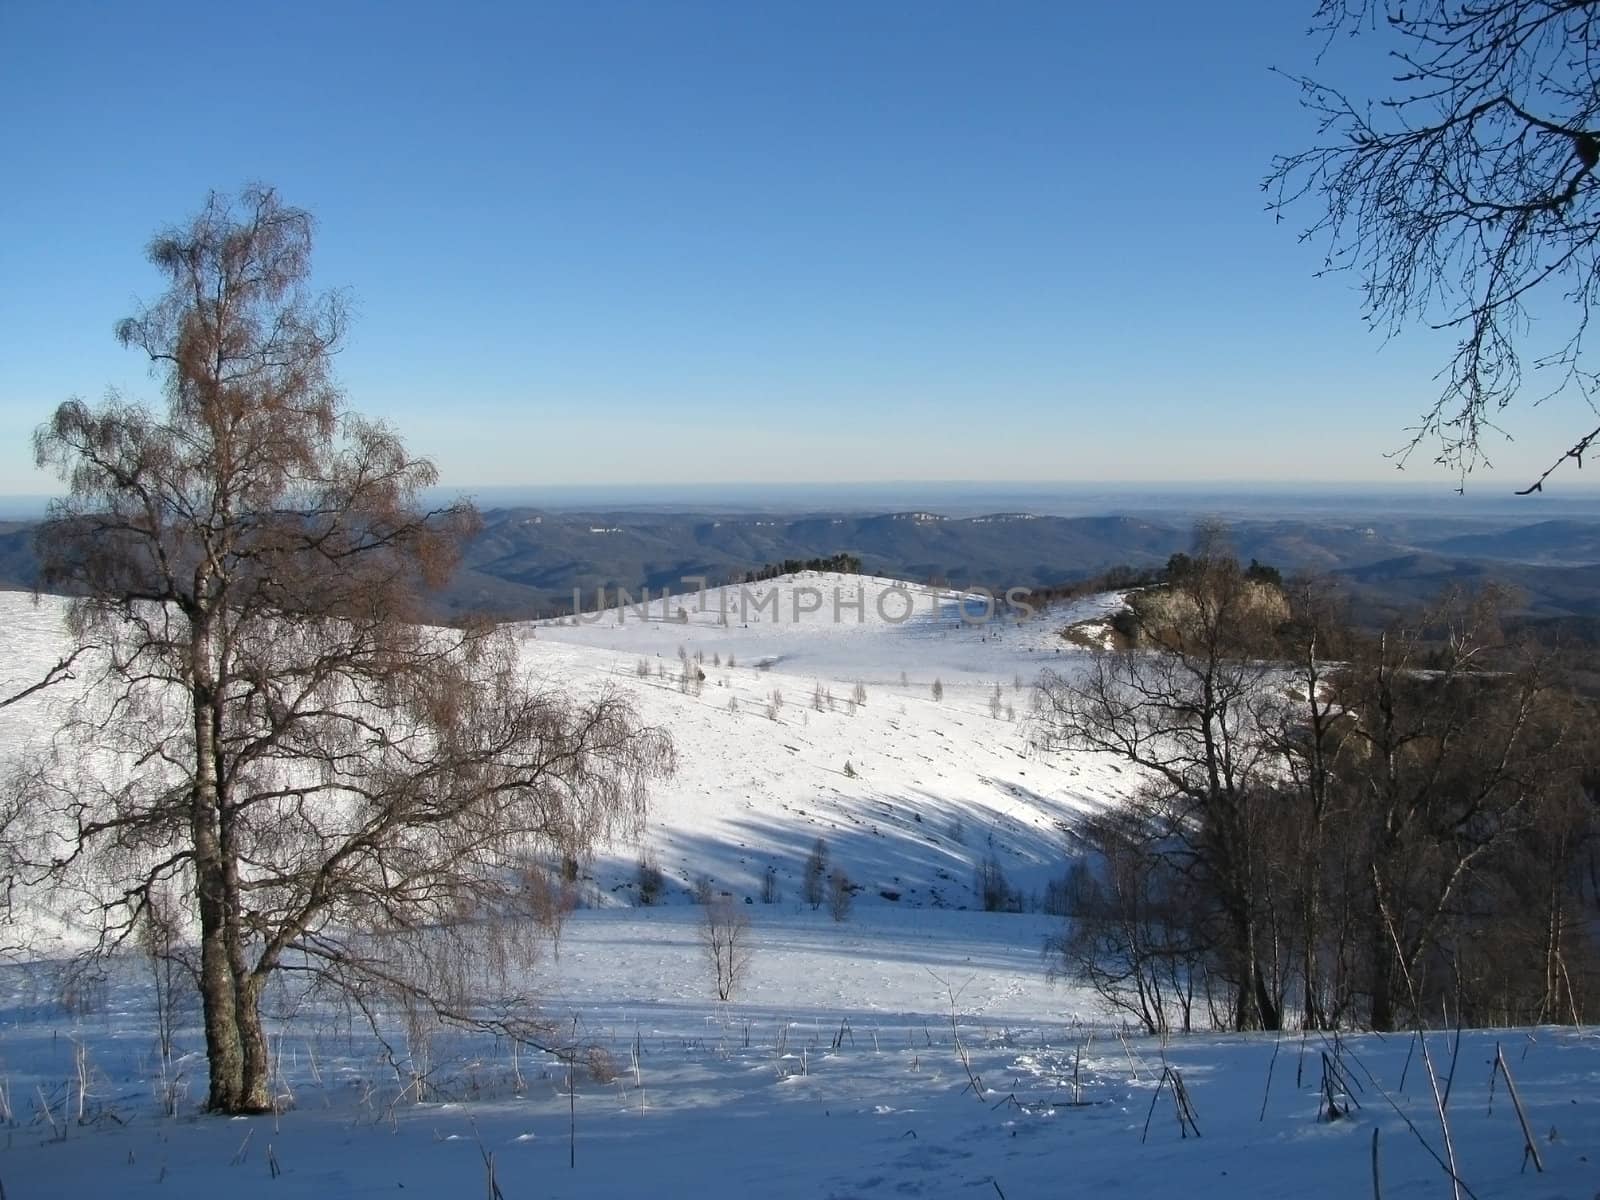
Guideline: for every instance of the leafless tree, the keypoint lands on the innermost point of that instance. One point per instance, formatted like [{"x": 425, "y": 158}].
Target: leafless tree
[
  {"x": 1465, "y": 198},
  {"x": 1184, "y": 714},
  {"x": 1312, "y": 736},
  {"x": 335, "y": 788},
  {"x": 841, "y": 892},
  {"x": 814, "y": 874},
  {"x": 1459, "y": 747},
  {"x": 172, "y": 974},
  {"x": 994, "y": 891},
  {"x": 1130, "y": 932},
  {"x": 725, "y": 936}
]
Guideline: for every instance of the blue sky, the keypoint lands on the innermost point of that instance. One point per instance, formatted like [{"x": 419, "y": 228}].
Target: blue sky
[{"x": 673, "y": 242}]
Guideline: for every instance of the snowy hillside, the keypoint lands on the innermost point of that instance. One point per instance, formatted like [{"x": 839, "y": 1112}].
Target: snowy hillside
[
  {"x": 910, "y": 793},
  {"x": 932, "y": 786}
]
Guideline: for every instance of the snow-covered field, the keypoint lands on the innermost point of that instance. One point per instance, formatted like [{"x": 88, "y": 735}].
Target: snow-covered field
[
  {"x": 836, "y": 1070},
  {"x": 835, "y": 1075}
]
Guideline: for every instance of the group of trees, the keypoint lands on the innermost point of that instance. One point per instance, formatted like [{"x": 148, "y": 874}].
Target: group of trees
[
  {"x": 1181, "y": 566},
  {"x": 842, "y": 563},
  {"x": 819, "y": 884},
  {"x": 270, "y": 744},
  {"x": 1334, "y": 828},
  {"x": 1398, "y": 827}
]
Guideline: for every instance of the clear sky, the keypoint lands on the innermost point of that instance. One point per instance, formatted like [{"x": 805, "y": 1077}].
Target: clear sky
[{"x": 688, "y": 242}]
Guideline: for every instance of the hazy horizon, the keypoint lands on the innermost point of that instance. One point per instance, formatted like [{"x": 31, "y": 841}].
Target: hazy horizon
[{"x": 1243, "y": 499}]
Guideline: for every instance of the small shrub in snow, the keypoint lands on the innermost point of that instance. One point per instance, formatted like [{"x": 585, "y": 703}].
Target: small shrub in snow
[
  {"x": 600, "y": 1065},
  {"x": 938, "y": 689},
  {"x": 652, "y": 883},
  {"x": 993, "y": 889}
]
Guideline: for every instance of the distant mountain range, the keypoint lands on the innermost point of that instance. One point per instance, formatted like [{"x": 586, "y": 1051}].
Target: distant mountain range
[{"x": 528, "y": 561}]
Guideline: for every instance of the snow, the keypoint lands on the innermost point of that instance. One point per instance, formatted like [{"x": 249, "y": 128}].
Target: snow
[
  {"x": 834, "y": 1072},
  {"x": 933, "y": 787}
]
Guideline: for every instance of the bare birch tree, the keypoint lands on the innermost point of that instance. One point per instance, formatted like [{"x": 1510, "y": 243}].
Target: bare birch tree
[
  {"x": 726, "y": 938},
  {"x": 332, "y": 786}
]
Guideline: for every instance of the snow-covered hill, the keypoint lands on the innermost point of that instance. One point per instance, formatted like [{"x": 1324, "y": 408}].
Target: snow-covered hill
[{"x": 910, "y": 793}]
